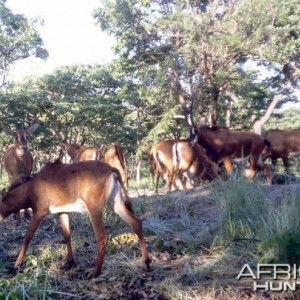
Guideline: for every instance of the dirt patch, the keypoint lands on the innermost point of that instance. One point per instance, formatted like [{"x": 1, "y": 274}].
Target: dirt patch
[{"x": 180, "y": 252}]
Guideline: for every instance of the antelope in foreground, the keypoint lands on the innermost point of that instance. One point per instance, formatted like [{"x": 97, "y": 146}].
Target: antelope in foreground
[
  {"x": 80, "y": 187},
  {"x": 115, "y": 158},
  {"x": 225, "y": 145},
  {"x": 80, "y": 153},
  {"x": 18, "y": 160},
  {"x": 284, "y": 142},
  {"x": 176, "y": 156}
]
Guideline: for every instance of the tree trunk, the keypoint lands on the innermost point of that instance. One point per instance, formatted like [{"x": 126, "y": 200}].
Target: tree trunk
[
  {"x": 138, "y": 170},
  {"x": 138, "y": 141},
  {"x": 258, "y": 125},
  {"x": 228, "y": 116}
]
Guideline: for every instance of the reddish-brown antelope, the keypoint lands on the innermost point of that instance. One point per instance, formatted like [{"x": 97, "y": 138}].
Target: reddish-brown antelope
[
  {"x": 18, "y": 161},
  {"x": 80, "y": 153},
  {"x": 115, "y": 158},
  {"x": 152, "y": 163},
  {"x": 284, "y": 142},
  {"x": 177, "y": 157},
  {"x": 62, "y": 188},
  {"x": 225, "y": 145},
  {"x": 158, "y": 170}
]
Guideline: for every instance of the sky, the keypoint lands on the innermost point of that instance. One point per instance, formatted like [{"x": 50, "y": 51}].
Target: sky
[{"x": 69, "y": 33}]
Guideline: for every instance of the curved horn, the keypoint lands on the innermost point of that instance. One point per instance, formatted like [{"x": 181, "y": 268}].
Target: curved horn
[
  {"x": 10, "y": 132},
  {"x": 32, "y": 128}
]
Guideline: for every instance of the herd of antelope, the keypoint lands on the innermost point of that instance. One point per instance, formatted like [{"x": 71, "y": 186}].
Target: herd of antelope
[{"x": 87, "y": 184}]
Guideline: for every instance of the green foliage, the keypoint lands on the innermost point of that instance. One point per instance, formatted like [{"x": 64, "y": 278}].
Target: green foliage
[
  {"x": 165, "y": 49},
  {"x": 76, "y": 104},
  {"x": 19, "y": 39},
  {"x": 270, "y": 25},
  {"x": 273, "y": 226},
  {"x": 281, "y": 248},
  {"x": 242, "y": 205},
  {"x": 198, "y": 48},
  {"x": 25, "y": 286},
  {"x": 252, "y": 101},
  {"x": 284, "y": 119}
]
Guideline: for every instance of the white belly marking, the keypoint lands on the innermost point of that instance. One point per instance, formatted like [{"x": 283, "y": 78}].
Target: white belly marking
[{"x": 77, "y": 206}]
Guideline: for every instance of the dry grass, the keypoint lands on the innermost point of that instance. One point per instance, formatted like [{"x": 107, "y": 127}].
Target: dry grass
[{"x": 191, "y": 258}]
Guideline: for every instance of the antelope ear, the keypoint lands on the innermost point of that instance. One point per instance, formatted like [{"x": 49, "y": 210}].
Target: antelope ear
[
  {"x": 32, "y": 128},
  {"x": 10, "y": 132},
  {"x": 63, "y": 145}
]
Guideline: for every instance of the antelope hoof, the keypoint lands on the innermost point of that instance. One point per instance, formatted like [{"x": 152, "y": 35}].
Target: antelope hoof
[
  {"x": 27, "y": 215},
  {"x": 147, "y": 263},
  {"x": 68, "y": 265},
  {"x": 96, "y": 274},
  {"x": 12, "y": 270}
]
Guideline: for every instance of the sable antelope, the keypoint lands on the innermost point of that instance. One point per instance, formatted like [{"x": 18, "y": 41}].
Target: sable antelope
[
  {"x": 176, "y": 156},
  {"x": 80, "y": 187},
  {"x": 225, "y": 145},
  {"x": 284, "y": 142},
  {"x": 152, "y": 163},
  {"x": 157, "y": 169},
  {"x": 80, "y": 153},
  {"x": 115, "y": 158},
  {"x": 18, "y": 161}
]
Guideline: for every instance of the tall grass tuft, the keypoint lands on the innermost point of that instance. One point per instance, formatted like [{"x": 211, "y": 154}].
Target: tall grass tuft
[
  {"x": 247, "y": 213},
  {"x": 241, "y": 204},
  {"x": 280, "y": 237}
]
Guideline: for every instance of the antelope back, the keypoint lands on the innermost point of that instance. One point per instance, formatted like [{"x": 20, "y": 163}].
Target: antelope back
[
  {"x": 164, "y": 154},
  {"x": 115, "y": 158},
  {"x": 81, "y": 153},
  {"x": 221, "y": 142},
  {"x": 284, "y": 140},
  {"x": 183, "y": 155}
]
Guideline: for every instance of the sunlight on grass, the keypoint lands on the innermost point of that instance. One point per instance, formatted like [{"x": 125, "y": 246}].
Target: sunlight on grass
[{"x": 198, "y": 240}]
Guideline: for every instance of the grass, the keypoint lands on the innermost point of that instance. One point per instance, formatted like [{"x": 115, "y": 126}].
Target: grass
[{"x": 198, "y": 241}]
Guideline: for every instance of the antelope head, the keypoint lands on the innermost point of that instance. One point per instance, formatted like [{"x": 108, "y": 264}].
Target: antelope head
[{"x": 21, "y": 136}]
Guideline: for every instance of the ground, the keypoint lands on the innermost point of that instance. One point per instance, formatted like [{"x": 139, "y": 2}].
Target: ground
[{"x": 180, "y": 229}]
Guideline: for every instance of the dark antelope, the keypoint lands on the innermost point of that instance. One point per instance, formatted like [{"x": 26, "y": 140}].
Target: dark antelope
[
  {"x": 284, "y": 142},
  {"x": 81, "y": 153},
  {"x": 115, "y": 158},
  {"x": 177, "y": 157},
  {"x": 225, "y": 145},
  {"x": 80, "y": 187},
  {"x": 18, "y": 161}
]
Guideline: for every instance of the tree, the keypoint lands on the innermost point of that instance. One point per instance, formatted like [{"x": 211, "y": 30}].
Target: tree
[
  {"x": 195, "y": 50},
  {"x": 77, "y": 104},
  {"x": 19, "y": 39}
]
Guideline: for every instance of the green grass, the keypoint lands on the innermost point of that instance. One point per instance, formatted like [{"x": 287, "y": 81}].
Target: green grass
[
  {"x": 198, "y": 241},
  {"x": 272, "y": 225}
]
